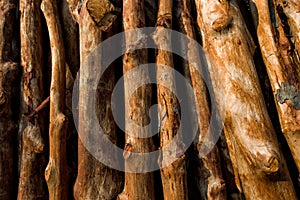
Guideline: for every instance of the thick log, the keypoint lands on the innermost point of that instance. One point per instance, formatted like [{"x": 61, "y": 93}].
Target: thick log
[
  {"x": 173, "y": 176},
  {"x": 211, "y": 186},
  {"x": 281, "y": 68},
  {"x": 260, "y": 168},
  {"x": 94, "y": 179},
  {"x": 57, "y": 171},
  {"x": 138, "y": 186},
  {"x": 31, "y": 126}
]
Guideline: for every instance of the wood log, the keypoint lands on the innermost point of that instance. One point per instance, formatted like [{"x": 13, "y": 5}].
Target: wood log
[
  {"x": 260, "y": 168},
  {"x": 32, "y": 182},
  {"x": 281, "y": 68},
  {"x": 8, "y": 78},
  {"x": 174, "y": 175},
  {"x": 214, "y": 183},
  {"x": 8, "y": 129},
  {"x": 57, "y": 171},
  {"x": 94, "y": 179},
  {"x": 138, "y": 186}
]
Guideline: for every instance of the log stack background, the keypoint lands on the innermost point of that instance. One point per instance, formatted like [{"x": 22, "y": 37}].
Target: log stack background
[{"x": 253, "y": 60}]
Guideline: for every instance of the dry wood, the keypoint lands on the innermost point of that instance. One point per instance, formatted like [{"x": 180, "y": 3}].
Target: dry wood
[
  {"x": 31, "y": 126},
  {"x": 8, "y": 76},
  {"x": 215, "y": 188},
  {"x": 138, "y": 186},
  {"x": 94, "y": 180},
  {"x": 174, "y": 176},
  {"x": 8, "y": 129},
  {"x": 259, "y": 167},
  {"x": 57, "y": 171},
  {"x": 281, "y": 68}
]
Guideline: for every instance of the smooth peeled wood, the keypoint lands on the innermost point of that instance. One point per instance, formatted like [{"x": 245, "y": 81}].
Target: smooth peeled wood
[
  {"x": 174, "y": 175},
  {"x": 32, "y": 182},
  {"x": 94, "y": 179},
  {"x": 212, "y": 186},
  {"x": 281, "y": 66},
  {"x": 57, "y": 170},
  {"x": 138, "y": 186},
  {"x": 260, "y": 168}
]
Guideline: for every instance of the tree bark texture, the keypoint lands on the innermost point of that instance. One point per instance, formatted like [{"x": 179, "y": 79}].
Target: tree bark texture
[
  {"x": 94, "y": 179},
  {"x": 136, "y": 108},
  {"x": 248, "y": 66},
  {"x": 32, "y": 126},
  {"x": 249, "y": 133},
  {"x": 57, "y": 170}
]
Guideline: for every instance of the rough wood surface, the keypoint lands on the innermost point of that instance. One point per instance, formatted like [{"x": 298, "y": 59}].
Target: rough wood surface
[
  {"x": 260, "y": 169},
  {"x": 138, "y": 186},
  {"x": 8, "y": 78},
  {"x": 173, "y": 176},
  {"x": 8, "y": 129},
  {"x": 32, "y": 182},
  {"x": 214, "y": 183},
  {"x": 276, "y": 50},
  {"x": 57, "y": 171},
  {"x": 94, "y": 179}
]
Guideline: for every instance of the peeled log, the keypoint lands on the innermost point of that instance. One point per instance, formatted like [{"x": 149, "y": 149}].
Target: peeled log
[
  {"x": 138, "y": 186},
  {"x": 94, "y": 179},
  {"x": 215, "y": 187},
  {"x": 260, "y": 168},
  {"x": 57, "y": 171},
  {"x": 281, "y": 70},
  {"x": 173, "y": 176}
]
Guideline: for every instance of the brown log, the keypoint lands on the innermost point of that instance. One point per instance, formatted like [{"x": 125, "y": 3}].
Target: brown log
[
  {"x": 215, "y": 188},
  {"x": 138, "y": 186},
  {"x": 71, "y": 37},
  {"x": 94, "y": 179},
  {"x": 57, "y": 171},
  {"x": 8, "y": 76},
  {"x": 31, "y": 126},
  {"x": 173, "y": 176},
  {"x": 281, "y": 70},
  {"x": 8, "y": 129},
  {"x": 260, "y": 168}
]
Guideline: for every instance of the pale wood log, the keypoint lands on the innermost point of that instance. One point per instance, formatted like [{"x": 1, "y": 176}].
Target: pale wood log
[
  {"x": 213, "y": 185},
  {"x": 138, "y": 186},
  {"x": 275, "y": 52},
  {"x": 260, "y": 168},
  {"x": 94, "y": 179}
]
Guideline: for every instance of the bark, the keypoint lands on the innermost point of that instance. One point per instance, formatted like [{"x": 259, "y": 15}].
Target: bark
[
  {"x": 8, "y": 128},
  {"x": 260, "y": 169},
  {"x": 8, "y": 78},
  {"x": 94, "y": 180},
  {"x": 214, "y": 184},
  {"x": 173, "y": 176},
  {"x": 138, "y": 186},
  {"x": 57, "y": 171},
  {"x": 282, "y": 69},
  {"x": 32, "y": 125}
]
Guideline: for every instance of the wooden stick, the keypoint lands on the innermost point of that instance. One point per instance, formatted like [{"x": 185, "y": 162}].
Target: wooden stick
[{"x": 57, "y": 171}]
